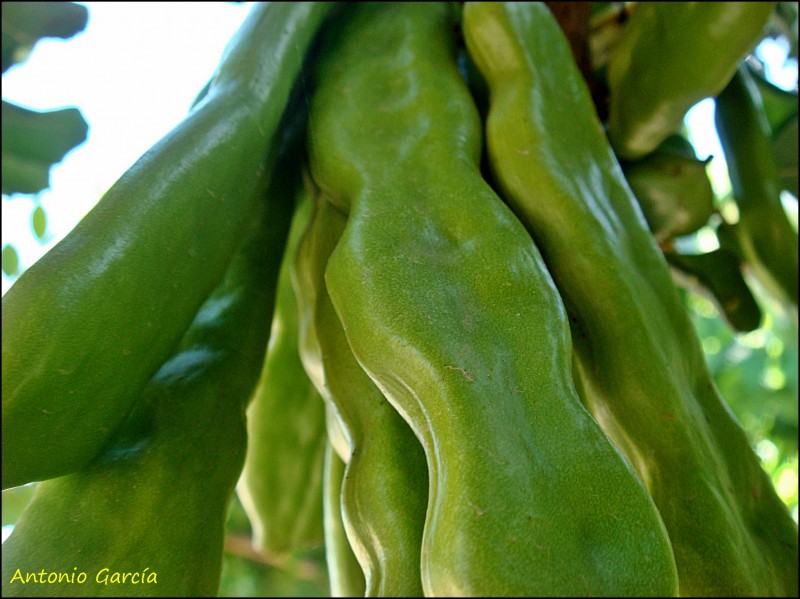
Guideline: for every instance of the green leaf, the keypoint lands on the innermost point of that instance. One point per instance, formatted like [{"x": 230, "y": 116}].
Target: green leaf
[
  {"x": 10, "y": 260},
  {"x": 717, "y": 274},
  {"x": 786, "y": 18},
  {"x": 39, "y": 222},
  {"x": 779, "y": 105},
  {"x": 33, "y": 141},
  {"x": 784, "y": 144},
  {"x": 22, "y": 176},
  {"x": 25, "y": 23}
]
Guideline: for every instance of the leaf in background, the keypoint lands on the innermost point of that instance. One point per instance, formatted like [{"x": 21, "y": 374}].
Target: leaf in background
[
  {"x": 717, "y": 275},
  {"x": 784, "y": 144},
  {"x": 39, "y": 222},
  {"x": 33, "y": 141},
  {"x": 10, "y": 260},
  {"x": 780, "y": 105},
  {"x": 767, "y": 239},
  {"x": 25, "y": 23},
  {"x": 785, "y": 22}
]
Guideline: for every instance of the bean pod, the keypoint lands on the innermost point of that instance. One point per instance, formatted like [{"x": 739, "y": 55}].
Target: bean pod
[
  {"x": 639, "y": 361},
  {"x": 449, "y": 309},
  {"x": 86, "y": 327}
]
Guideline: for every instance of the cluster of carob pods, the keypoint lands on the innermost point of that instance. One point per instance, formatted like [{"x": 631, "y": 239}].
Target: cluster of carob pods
[{"x": 313, "y": 288}]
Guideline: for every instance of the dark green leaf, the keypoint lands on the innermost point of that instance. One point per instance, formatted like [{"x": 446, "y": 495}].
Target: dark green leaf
[
  {"x": 25, "y": 23},
  {"x": 23, "y": 176},
  {"x": 717, "y": 275},
  {"x": 784, "y": 144},
  {"x": 33, "y": 141},
  {"x": 779, "y": 105},
  {"x": 786, "y": 17}
]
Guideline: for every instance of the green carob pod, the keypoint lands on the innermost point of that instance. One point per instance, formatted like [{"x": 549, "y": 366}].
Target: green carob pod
[
  {"x": 307, "y": 271},
  {"x": 385, "y": 488},
  {"x": 672, "y": 189},
  {"x": 344, "y": 572},
  {"x": 639, "y": 360},
  {"x": 88, "y": 325},
  {"x": 671, "y": 56},
  {"x": 449, "y": 309},
  {"x": 281, "y": 484},
  {"x": 147, "y": 517}
]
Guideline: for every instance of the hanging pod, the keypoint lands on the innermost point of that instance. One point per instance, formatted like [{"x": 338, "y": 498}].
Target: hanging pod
[
  {"x": 448, "y": 307},
  {"x": 639, "y": 360}
]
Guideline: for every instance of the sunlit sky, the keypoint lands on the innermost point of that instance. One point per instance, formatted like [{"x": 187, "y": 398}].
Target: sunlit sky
[{"x": 134, "y": 72}]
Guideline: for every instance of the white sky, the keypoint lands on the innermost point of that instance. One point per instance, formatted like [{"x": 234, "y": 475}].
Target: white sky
[{"x": 134, "y": 72}]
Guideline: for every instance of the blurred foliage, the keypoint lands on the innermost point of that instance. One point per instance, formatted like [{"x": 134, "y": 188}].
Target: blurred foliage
[
  {"x": 39, "y": 222},
  {"x": 757, "y": 375},
  {"x": 246, "y": 573},
  {"x": 25, "y": 23},
  {"x": 10, "y": 261},
  {"x": 34, "y": 141},
  {"x": 781, "y": 109},
  {"x": 784, "y": 23}
]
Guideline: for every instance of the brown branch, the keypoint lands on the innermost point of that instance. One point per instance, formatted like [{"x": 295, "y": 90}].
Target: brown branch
[{"x": 242, "y": 546}]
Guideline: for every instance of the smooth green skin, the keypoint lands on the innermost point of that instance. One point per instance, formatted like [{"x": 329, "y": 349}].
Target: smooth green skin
[
  {"x": 717, "y": 274},
  {"x": 385, "y": 488},
  {"x": 337, "y": 434},
  {"x": 766, "y": 239},
  {"x": 281, "y": 484},
  {"x": 447, "y": 306},
  {"x": 673, "y": 191},
  {"x": 671, "y": 56},
  {"x": 86, "y": 327},
  {"x": 156, "y": 499},
  {"x": 640, "y": 363},
  {"x": 344, "y": 572},
  {"x": 306, "y": 272}
]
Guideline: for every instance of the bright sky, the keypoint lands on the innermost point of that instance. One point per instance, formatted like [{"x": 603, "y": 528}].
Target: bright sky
[{"x": 133, "y": 73}]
